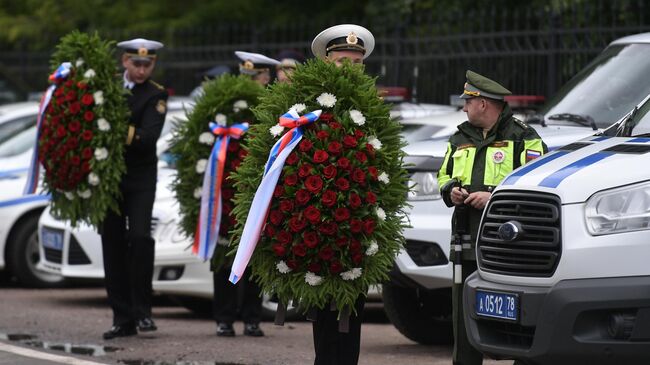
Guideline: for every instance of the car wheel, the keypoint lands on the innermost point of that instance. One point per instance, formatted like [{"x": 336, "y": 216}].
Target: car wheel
[
  {"x": 423, "y": 316},
  {"x": 270, "y": 306},
  {"x": 23, "y": 254}
]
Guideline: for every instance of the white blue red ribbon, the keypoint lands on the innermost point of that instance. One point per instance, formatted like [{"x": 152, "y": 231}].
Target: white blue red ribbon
[
  {"x": 60, "y": 74},
  {"x": 207, "y": 228},
  {"x": 262, "y": 199}
]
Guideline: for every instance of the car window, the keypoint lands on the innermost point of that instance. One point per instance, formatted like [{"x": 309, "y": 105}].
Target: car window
[
  {"x": 12, "y": 127},
  {"x": 19, "y": 143}
]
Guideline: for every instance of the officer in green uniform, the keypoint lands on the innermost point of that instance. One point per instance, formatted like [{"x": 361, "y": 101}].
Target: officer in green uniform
[{"x": 486, "y": 148}]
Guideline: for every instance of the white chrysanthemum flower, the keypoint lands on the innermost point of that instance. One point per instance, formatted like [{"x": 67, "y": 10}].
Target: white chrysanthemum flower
[
  {"x": 374, "y": 142},
  {"x": 220, "y": 119},
  {"x": 313, "y": 279},
  {"x": 101, "y": 153},
  {"x": 381, "y": 214},
  {"x": 383, "y": 177},
  {"x": 276, "y": 130},
  {"x": 198, "y": 192},
  {"x": 282, "y": 267},
  {"x": 351, "y": 274},
  {"x": 85, "y": 194},
  {"x": 206, "y": 138},
  {"x": 89, "y": 74},
  {"x": 372, "y": 249},
  {"x": 93, "y": 179},
  {"x": 80, "y": 62},
  {"x": 99, "y": 97},
  {"x": 239, "y": 105},
  {"x": 357, "y": 117},
  {"x": 326, "y": 99},
  {"x": 69, "y": 195},
  {"x": 103, "y": 125},
  {"x": 201, "y": 165},
  {"x": 299, "y": 107}
]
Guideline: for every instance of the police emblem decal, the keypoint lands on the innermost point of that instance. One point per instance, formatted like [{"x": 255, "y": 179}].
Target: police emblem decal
[
  {"x": 498, "y": 156},
  {"x": 161, "y": 107}
]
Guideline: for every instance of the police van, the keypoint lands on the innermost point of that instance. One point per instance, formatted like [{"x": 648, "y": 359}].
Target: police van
[{"x": 562, "y": 251}]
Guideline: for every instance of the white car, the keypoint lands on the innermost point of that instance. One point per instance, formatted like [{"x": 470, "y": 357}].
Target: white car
[{"x": 77, "y": 252}]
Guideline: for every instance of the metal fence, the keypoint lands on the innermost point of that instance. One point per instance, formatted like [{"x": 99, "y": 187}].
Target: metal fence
[{"x": 531, "y": 50}]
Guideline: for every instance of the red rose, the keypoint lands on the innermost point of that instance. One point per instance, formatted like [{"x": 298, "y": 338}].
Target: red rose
[
  {"x": 87, "y": 153},
  {"x": 312, "y": 214},
  {"x": 291, "y": 180},
  {"x": 326, "y": 253},
  {"x": 75, "y": 160},
  {"x": 356, "y": 225},
  {"x": 336, "y": 267},
  {"x": 373, "y": 172},
  {"x": 355, "y": 246},
  {"x": 276, "y": 217},
  {"x": 87, "y": 99},
  {"x": 305, "y": 145},
  {"x": 69, "y": 83},
  {"x": 87, "y": 135},
  {"x": 359, "y": 176},
  {"x": 355, "y": 200},
  {"x": 343, "y": 163},
  {"x": 341, "y": 214},
  {"x": 349, "y": 141},
  {"x": 341, "y": 241},
  {"x": 335, "y": 125},
  {"x": 314, "y": 267},
  {"x": 304, "y": 170},
  {"x": 361, "y": 157},
  {"x": 302, "y": 196},
  {"x": 55, "y": 120},
  {"x": 328, "y": 228},
  {"x": 335, "y": 148},
  {"x": 358, "y": 133},
  {"x": 269, "y": 230},
  {"x": 369, "y": 226},
  {"x": 311, "y": 239},
  {"x": 371, "y": 198},
  {"x": 342, "y": 183},
  {"x": 283, "y": 237},
  {"x": 279, "y": 191},
  {"x": 296, "y": 224},
  {"x": 370, "y": 149},
  {"x": 242, "y": 153},
  {"x": 329, "y": 171},
  {"x": 322, "y": 135},
  {"x": 75, "y": 108},
  {"x": 60, "y": 101},
  {"x": 82, "y": 86},
  {"x": 314, "y": 184},
  {"x": 328, "y": 198},
  {"x": 357, "y": 258},
  {"x": 279, "y": 250},
  {"x": 71, "y": 95},
  {"x": 59, "y": 91},
  {"x": 293, "y": 264},
  {"x": 72, "y": 143},
  {"x": 292, "y": 159},
  {"x": 299, "y": 250},
  {"x": 286, "y": 205},
  {"x": 326, "y": 117},
  {"x": 74, "y": 126},
  {"x": 233, "y": 146},
  {"x": 320, "y": 156}
]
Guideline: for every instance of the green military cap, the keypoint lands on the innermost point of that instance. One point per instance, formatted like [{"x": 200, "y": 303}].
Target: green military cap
[{"x": 478, "y": 85}]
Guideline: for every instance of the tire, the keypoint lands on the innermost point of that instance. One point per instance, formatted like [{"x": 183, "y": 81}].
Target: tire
[
  {"x": 23, "y": 255},
  {"x": 420, "y": 315}
]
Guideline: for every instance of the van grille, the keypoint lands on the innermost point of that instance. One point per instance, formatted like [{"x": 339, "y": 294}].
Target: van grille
[{"x": 536, "y": 251}]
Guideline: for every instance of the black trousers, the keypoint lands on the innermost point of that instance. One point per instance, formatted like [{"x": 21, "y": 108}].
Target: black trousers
[
  {"x": 128, "y": 251},
  {"x": 333, "y": 347},
  {"x": 227, "y": 298}
]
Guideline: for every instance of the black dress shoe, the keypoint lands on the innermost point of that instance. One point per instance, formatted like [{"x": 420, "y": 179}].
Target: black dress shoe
[
  {"x": 225, "y": 330},
  {"x": 253, "y": 329},
  {"x": 120, "y": 331},
  {"x": 146, "y": 325}
]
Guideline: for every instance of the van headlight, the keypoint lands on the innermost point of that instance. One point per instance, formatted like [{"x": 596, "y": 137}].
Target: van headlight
[
  {"x": 423, "y": 185},
  {"x": 619, "y": 210}
]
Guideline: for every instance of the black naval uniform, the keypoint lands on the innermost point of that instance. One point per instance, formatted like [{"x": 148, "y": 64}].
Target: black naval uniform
[{"x": 127, "y": 245}]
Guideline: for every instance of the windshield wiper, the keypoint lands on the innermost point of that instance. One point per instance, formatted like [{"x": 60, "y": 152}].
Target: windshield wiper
[
  {"x": 585, "y": 120},
  {"x": 537, "y": 118}
]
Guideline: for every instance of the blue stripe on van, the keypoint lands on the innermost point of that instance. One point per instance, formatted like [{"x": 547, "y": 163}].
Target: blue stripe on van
[
  {"x": 553, "y": 180},
  {"x": 512, "y": 178}
]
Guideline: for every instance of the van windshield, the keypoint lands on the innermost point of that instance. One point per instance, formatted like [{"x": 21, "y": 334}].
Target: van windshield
[{"x": 607, "y": 89}]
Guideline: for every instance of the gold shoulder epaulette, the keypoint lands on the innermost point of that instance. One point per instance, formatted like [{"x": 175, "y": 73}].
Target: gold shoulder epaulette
[
  {"x": 157, "y": 85},
  {"x": 521, "y": 124}
]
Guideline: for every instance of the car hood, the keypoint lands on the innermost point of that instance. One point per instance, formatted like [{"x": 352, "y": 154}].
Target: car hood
[
  {"x": 590, "y": 165},
  {"x": 12, "y": 183}
]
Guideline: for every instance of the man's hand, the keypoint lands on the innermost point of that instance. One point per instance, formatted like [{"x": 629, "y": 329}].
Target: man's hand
[
  {"x": 458, "y": 195},
  {"x": 478, "y": 199}
]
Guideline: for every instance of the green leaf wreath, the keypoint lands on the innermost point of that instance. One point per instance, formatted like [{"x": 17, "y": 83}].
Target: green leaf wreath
[
  {"x": 227, "y": 98},
  {"x": 336, "y": 218},
  {"x": 82, "y": 136}
]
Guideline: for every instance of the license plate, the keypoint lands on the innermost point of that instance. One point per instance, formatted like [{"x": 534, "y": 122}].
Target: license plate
[
  {"x": 497, "y": 305},
  {"x": 52, "y": 239}
]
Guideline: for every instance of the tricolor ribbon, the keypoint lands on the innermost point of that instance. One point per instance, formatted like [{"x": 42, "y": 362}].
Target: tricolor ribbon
[
  {"x": 61, "y": 73},
  {"x": 262, "y": 199},
  {"x": 207, "y": 228}
]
